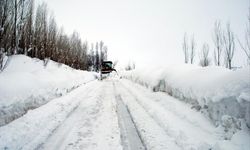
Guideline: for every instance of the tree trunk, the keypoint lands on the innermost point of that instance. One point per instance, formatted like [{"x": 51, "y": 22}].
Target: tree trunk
[{"x": 230, "y": 64}]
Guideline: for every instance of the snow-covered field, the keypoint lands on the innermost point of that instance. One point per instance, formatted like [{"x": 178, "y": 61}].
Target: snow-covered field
[{"x": 27, "y": 83}]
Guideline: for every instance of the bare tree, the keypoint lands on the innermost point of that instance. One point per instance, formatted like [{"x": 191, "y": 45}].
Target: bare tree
[
  {"x": 22, "y": 20},
  {"x": 105, "y": 53},
  {"x": 91, "y": 58},
  {"x": 41, "y": 31},
  {"x": 218, "y": 42},
  {"x": 192, "y": 50},
  {"x": 229, "y": 46},
  {"x": 75, "y": 45},
  {"x": 84, "y": 56},
  {"x": 44, "y": 34},
  {"x": 14, "y": 41},
  {"x": 185, "y": 48},
  {"x": 246, "y": 46},
  {"x": 26, "y": 28},
  {"x": 204, "y": 59},
  {"x": 4, "y": 25},
  {"x": 52, "y": 37},
  {"x": 62, "y": 53},
  {"x": 97, "y": 58},
  {"x": 101, "y": 45},
  {"x": 4, "y": 22},
  {"x": 38, "y": 32}
]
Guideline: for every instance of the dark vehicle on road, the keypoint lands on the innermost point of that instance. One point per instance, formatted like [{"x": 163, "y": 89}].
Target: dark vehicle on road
[{"x": 106, "y": 68}]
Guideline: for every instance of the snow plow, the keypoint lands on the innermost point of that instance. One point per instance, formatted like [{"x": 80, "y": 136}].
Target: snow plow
[{"x": 106, "y": 68}]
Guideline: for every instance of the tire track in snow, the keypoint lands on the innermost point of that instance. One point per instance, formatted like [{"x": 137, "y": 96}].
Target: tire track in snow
[
  {"x": 130, "y": 136},
  {"x": 152, "y": 133},
  {"x": 93, "y": 125},
  {"x": 157, "y": 120},
  {"x": 57, "y": 138},
  {"x": 181, "y": 130},
  {"x": 34, "y": 128}
]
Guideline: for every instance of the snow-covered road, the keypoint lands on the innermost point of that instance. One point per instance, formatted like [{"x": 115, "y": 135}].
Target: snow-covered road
[{"x": 114, "y": 114}]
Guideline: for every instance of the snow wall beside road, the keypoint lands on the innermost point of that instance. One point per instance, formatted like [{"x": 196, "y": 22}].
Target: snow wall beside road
[
  {"x": 27, "y": 83},
  {"x": 222, "y": 94}
]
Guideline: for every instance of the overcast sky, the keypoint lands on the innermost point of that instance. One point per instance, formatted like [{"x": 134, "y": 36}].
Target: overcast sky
[{"x": 150, "y": 31}]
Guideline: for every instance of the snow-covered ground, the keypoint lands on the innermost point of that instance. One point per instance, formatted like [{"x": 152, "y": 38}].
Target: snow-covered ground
[
  {"x": 116, "y": 114},
  {"x": 88, "y": 118},
  {"x": 82, "y": 119},
  {"x": 27, "y": 83},
  {"x": 221, "y": 93},
  {"x": 165, "y": 122}
]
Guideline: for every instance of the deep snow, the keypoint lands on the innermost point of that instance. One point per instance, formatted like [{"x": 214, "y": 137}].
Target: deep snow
[
  {"x": 173, "y": 123},
  {"x": 82, "y": 119},
  {"x": 27, "y": 83},
  {"x": 119, "y": 114},
  {"x": 217, "y": 91},
  {"x": 87, "y": 118}
]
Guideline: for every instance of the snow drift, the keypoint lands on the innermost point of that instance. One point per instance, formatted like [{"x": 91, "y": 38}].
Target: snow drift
[
  {"x": 27, "y": 83},
  {"x": 221, "y": 93}
]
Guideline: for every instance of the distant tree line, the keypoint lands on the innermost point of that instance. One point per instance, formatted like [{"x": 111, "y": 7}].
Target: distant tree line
[
  {"x": 24, "y": 30},
  {"x": 224, "y": 46},
  {"x": 130, "y": 66},
  {"x": 98, "y": 53}
]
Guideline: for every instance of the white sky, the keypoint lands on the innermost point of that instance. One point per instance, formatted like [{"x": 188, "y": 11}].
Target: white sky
[{"x": 150, "y": 31}]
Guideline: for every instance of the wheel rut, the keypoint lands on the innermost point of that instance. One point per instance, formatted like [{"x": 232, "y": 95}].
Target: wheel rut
[{"x": 130, "y": 136}]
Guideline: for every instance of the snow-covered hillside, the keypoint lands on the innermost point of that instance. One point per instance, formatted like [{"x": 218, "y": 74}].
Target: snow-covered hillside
[
  {"x": 27, "y": 83},
  {"x": 223, "y": 95}
]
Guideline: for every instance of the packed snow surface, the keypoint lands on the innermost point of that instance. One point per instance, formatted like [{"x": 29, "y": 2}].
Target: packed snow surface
[
  {"x": 88, "y": 118},
  {"x": 27, "y": 83},
  {"x": 69, "y": 109}
]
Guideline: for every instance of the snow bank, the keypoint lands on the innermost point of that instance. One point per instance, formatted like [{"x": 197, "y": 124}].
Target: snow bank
[
  {"x": 215, "y": 90},
  {"x": 31, "y": 130},
  {"x": 27, "y": 83}
]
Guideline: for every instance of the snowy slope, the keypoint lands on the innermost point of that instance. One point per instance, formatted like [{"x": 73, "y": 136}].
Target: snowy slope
[
  {"x": 82, "y": 119},
  {"x": 222, "y": 94},
  {"x": 27, "y": 83}
]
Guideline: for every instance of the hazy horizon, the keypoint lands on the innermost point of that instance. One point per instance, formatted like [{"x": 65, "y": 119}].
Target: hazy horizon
[{"x": 150, "y": 31}]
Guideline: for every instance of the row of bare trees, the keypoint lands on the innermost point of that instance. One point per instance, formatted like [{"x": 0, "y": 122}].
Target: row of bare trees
[
  {"x": 224, "y": 41},
  {"x": 224, "y": 46},
  {"x": 24, "y": 30},
  {"x": 189, "y": 50},
  {"x": 97, "y": 54}
]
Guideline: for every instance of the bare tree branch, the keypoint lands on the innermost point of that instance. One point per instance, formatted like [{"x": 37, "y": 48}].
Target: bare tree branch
[
  {"x": 229, "y": 42},
  {"x": 204, "y": 59},
  {"x": 185, "y": 48},
  {"x": 192, "y": 46},
  {"x": 218, "y": 42}
]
